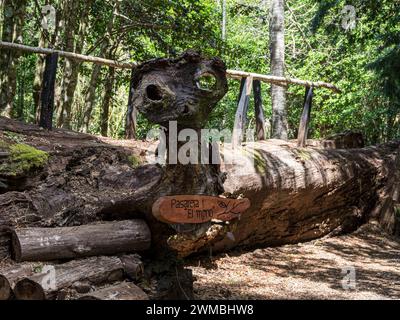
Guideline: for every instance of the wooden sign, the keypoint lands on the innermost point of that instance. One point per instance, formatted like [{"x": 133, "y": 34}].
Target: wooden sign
[{"x": 198, "y": 208}]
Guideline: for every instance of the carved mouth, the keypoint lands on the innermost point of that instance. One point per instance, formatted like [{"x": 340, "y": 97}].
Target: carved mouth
[{"x": 185, "y": 110}]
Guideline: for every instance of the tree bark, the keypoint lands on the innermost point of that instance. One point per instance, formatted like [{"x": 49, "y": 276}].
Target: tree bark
[
  {"x": 41, "y": 244},
  {"x": 277, "y": 50},
  {"x": 120, "y": 291}
]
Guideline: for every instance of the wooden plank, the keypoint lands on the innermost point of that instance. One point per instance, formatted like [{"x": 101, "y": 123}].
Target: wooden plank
[
  {"x": 198, "y": 208},
  {"x": 47, "y": 94},
  {"x": 43, "y": 244},
  {"x": 305, "y": 118},
  {"x": 258, "y": 110},
  {"x": 241, "y": 114}
]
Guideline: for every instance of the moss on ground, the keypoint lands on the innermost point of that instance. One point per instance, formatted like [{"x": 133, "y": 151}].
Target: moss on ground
[
  {"x": 134, "y": 161},
  {"x": 22, "y": 158}
]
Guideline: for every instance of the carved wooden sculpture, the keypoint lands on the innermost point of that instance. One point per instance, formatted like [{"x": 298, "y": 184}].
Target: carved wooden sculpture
[{"x": 168, "y": 90}]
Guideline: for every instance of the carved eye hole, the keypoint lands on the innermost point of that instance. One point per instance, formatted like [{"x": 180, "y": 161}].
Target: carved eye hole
[
  {"x": 153, "y": 92},
  {"x": 206, "y": 81}
]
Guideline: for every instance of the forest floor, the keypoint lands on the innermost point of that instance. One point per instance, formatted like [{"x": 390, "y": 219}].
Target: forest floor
[{"x": 312, "y": 270}]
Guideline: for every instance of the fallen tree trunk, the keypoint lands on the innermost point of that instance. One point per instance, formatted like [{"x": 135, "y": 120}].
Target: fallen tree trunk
[
  {"x": 298, "y": 194},
  {"x": 120, "y": 291},
  {"x": 42, "y": 244}
]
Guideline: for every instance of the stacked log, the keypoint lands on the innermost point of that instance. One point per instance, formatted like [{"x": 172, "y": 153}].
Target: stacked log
[
  {"x": 88, "y": 245},
  {"x": 78, "y": 275},
  {"x": 43, "y": 244}
]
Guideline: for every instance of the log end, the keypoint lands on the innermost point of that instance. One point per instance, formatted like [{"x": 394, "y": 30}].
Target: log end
[
  {"x": 27, "y": 289},
  {"x": 5, "y": 288}
]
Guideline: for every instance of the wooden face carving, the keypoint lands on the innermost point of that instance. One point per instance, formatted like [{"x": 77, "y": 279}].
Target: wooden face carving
[{"x": 185, "y": 89}]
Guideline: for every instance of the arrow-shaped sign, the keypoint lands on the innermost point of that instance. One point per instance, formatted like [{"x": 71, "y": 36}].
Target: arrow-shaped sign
[{"x": 198, "y": 208}]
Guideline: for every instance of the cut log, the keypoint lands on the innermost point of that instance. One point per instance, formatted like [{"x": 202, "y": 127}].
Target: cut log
[
  {"x": 5, "y": 288},
  {"x": 27, "y": 289},
  {"x": 133, "y": 266},
  {"x": 77, "y": 274},
  {"x": 120, "y": 291},
  {"x": 43, "y": 244}
]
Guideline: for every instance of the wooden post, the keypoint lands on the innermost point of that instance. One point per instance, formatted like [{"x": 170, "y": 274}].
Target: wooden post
[
  {"x": 241, "y": 113},
  {"x": 258, "y": 109},
  {"x": 47, "y": 95},
  {"x": 130, "y": 128},
  {"x": 305, "y": 118}
]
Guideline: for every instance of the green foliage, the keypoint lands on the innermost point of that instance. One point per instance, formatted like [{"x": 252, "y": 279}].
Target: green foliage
[{"x": 363, "y": 62}]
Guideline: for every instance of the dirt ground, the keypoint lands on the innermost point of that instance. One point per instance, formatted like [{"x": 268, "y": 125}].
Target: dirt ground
[{"x": 313, "y": 270}]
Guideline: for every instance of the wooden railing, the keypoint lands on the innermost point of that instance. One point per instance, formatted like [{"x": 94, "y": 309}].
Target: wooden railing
[{"x": 249, "y": 80}]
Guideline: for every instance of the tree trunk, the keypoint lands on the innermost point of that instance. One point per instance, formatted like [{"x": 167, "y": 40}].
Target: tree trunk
[
  {"x": 277, "y": 49},
  {"x": 73, "y": 25},
  {"x": 107, "y": 101},
  {"x": 14, "y": 14},
  {"x": 120, "y": 291},
  {"x": 37, "y": 80},
  {"x": 41, "y": 244},
  {"x": 90, "y": 97}
]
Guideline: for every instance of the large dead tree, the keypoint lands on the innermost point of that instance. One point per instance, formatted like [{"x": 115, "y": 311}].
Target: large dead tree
[{"x": 296, "y": 194}]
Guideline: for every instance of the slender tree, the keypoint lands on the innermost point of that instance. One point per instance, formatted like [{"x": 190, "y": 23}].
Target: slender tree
[
  {"x": 14, "y": 15},
  {"x": 107, "y": 101},
  {"x": 277, "y": 50},
  {"x": 75, "y": 32}
]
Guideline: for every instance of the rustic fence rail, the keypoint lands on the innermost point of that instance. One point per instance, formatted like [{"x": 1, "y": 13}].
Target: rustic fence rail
[{"x": 249, "y": 80}]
